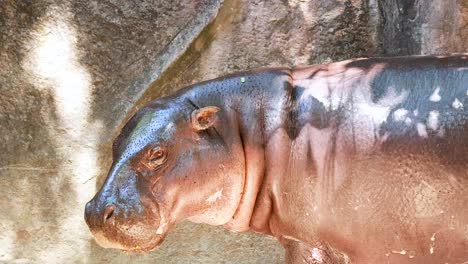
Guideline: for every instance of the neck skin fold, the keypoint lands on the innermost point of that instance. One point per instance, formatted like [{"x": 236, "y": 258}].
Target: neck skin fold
[{"x": 255, "y": 125}]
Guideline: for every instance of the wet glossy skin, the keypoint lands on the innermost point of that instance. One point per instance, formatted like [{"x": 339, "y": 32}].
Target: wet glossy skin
[{"x": 362, "y": 161}]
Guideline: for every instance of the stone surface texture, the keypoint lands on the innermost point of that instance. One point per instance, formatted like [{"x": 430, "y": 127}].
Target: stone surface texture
[{"x": 73, "y": 71}]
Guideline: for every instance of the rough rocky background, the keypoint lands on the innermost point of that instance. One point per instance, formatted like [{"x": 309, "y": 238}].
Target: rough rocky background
[{"x": 72, "y": 71}]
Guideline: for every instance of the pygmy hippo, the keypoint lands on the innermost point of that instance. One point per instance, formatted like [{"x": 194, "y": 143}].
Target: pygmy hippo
[{"x": 359, "y": 161}]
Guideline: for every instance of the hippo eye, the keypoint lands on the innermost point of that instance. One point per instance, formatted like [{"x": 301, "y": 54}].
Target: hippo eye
[{"x": 156, "y": 157}]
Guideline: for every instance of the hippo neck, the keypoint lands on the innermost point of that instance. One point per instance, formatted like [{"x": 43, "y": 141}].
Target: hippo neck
[
  {"x": 271, "y": 122},
  {"x": 271, "y": 115},
  {"x": 276, "y": 135},
  {"x": 257, "y": 124}
]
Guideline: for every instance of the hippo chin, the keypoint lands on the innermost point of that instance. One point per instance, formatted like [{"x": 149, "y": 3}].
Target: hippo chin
[{"x": 360, "y": 161}]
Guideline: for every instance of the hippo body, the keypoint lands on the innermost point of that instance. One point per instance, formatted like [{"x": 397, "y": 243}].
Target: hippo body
[{"x": 360, "y": 161}]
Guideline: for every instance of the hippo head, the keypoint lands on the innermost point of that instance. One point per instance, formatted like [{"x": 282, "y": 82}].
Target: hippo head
[{"x": 172, "y": 161}]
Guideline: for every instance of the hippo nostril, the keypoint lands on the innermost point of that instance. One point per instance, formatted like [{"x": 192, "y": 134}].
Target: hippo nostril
[{"x": 108, "y": 213}]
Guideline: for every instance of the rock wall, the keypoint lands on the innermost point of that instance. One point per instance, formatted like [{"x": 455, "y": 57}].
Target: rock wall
[
  {"x": 422, "y": 27},
  {"x": 72, "y": 71}
]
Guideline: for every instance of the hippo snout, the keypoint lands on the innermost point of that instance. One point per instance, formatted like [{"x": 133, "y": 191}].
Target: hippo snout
[
  {"x": 99, "y": 216},
  {"x": 100, "y": 221},
  {"x": 122, "y": 227},
  {"x": 120, "y": 217}
]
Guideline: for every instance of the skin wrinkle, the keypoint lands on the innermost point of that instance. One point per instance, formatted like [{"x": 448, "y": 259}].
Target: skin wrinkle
[
  {"x": 245, "y": 215},
  {"x": 241, "y": 137},
  {"x": 262, "y": 138},
  {"x": 350, "y": 177}
]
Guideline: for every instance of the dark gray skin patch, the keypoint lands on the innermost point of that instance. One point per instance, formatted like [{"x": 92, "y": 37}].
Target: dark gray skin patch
[
  {"x": 431, "y": 89},
  {"x": 303, "y": 111}
]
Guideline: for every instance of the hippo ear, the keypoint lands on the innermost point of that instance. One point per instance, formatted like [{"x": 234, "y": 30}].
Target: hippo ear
[{"x": 204, "y": 118}]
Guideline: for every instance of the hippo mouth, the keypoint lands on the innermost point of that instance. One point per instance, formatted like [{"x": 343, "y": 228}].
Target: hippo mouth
[
  {"x": 146, "y": 249},
  {"x": 130, "y": 236},
  {"x": 122, "y": 244}
]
